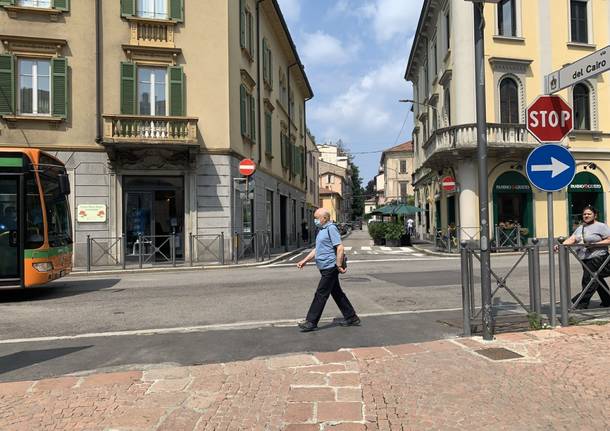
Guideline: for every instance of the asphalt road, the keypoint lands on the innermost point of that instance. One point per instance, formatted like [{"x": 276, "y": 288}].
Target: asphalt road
[{"x": 86, "y": 323}]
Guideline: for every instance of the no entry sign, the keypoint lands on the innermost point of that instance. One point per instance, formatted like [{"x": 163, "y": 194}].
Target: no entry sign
[
  {"x": 448, "y": 184},
  {"x": 247, "y": 167},
  {"x": 550, "y": 119}
]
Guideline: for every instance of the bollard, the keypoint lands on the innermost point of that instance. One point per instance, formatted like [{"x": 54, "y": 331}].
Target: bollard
[
  {"x": 88, "y": 253},
  {"x": 222, "y": 248},
  {"x": 536, "y": 276},
  {"x": 123, "y": 253},
  {"x": 140, "y": 250},
  {"x": 465, "y": 290},
  {"x": 471, "y": 284},
  {"x": 172, "y": 246},
  {"x": 564, "y": 284},
  {"x": 530, "y": 271}
]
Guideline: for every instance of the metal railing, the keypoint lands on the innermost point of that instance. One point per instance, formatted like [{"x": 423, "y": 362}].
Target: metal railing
[
  {"x": 112, "y": 249},
  {"x": 202, "y": 246},
  {"x": 595, "y": 269},
  {"x": 508, "y": 237},
  {"x": 446, "y": 241},
  {"x": 468, "y": 254},
  {"x": 264, "y": 245},
  {"x": 154, "y": 245}
]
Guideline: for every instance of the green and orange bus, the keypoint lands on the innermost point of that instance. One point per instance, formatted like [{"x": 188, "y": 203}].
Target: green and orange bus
[{"x": 35, "y": 222}]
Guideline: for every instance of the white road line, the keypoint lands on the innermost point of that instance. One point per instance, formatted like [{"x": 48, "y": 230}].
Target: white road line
[
  {"x": 418, "y": 254},
  {"x": 365, "y": 248},
  {"x": 205, "y": 328},
  {"x": 347, "y": 248},
  {"x": 386, "y": 248},
  {"x": 355, "y": 252},
  {"x": 409, "y": 249},
  {"x": 294, "y": 257}
]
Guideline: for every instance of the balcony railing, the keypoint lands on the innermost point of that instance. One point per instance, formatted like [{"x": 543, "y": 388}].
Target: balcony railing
[
  {"x": 140, "y": 128},
  {"x": 464, "y": 137},
  {"x": 145, "y": 32}
]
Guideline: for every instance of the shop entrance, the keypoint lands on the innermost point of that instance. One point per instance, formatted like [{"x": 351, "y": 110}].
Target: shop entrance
[
  {"x": 153, "y": 210},
  {"x": 512, "y": 203},
  {"x": 585, "y": 189}
]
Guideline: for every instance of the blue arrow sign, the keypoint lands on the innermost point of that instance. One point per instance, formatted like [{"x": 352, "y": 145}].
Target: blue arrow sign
[{"x": 550, "y": 167}]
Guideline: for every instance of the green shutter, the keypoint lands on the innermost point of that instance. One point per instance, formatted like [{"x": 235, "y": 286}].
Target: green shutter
[
  {"x": 128, "y": 7},
  {"x": 242, "y": 25},
  {"x": 7, "y": 84},
  {"x": 176, "y": 91},
  {"x": 270, "y": 56},
  {"x": 283, "y": 148},
  {"x": 61, "y": 5},
  {"x": 250, "y": 28},
  {"x": 6, "y": 2},
  {"x": 268, "y": 133},
  {"x": 128, "y": 88},
  {"x": 242, "y": 109},
  {"x": 252, "y": 118},
  {"x": 265, "y": 61},
  {"x": 59, "y": 87},
  {"x": 176, "y": 10}
]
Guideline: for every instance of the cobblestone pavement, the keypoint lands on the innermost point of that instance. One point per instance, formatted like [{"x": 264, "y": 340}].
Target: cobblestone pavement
[{"x": 562, "y": 381}]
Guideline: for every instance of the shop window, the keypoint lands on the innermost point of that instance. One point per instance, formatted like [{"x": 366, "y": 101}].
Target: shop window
[
  {"x": 509, "y": 101},
  {"x": 582, "y": 107}
]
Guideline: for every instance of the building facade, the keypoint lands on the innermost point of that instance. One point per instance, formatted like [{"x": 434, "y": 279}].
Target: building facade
[
  {"x": 152, "y": 104},
  {"x": 524, "y": 41},
  {"x": 334, "y": 186},
  {"x": 397, "y": 166}
]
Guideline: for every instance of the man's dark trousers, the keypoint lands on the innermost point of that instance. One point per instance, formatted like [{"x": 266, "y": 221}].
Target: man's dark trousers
[
  {"x": 329, "y": 285},
  {"x": 594, "y": 264}
]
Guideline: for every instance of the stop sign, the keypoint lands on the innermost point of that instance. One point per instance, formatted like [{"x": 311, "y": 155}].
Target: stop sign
[
  {"x": 448, "y": 184},
  {"x": 247, "y": 167},
  {"x": 550, "y": 119}
]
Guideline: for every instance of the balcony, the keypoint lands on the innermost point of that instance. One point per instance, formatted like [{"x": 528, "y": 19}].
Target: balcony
[
  {"x": 141, "y": 129},
  {"x": 460, "y": 142},
  {"x": 151, "y": 33}
]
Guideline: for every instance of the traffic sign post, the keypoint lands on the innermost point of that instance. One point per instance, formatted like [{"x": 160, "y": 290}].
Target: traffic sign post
[
  {"x": 551, "y": 168},
  {"x": 585, "y": 68}
]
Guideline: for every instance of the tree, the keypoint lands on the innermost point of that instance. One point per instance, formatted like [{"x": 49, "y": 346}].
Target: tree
[{"x": 358, "y": 191}]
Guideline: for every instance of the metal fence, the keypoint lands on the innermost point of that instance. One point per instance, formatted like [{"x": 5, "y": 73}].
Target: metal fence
[
  {"x": 530, "y": 305},
  {"x": 255, "y": 246},
  {"x": 508, "y": 237},
  {"x": 207, "y": 248},
  {"x": 105, "y": 251}
]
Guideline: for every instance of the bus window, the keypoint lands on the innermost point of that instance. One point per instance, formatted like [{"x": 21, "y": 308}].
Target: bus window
[
  {"x": 34, "y": 236},
  {"x": 58, "y": 214}
]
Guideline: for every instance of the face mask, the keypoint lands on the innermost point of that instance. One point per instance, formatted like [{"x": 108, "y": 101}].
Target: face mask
[{"x": 317, "y": 222}]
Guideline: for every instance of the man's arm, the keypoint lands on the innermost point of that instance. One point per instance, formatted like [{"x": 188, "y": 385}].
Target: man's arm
[
  {"x": 340, "y": 253},
  {"x": 310, "y": 256}
]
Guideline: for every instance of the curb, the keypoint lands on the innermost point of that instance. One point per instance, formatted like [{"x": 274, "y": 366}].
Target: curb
[{"x": 282, "y": 256}]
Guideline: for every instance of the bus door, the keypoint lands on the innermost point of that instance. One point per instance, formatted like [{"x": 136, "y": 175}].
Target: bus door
[{"x": 11, "y": 229}]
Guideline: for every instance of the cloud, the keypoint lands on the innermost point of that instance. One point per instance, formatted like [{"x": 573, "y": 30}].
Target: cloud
[
  {"x": 291, "y": 9},
  {"x": 392, "y": 17},
  {"x": 321, "y": 48}
]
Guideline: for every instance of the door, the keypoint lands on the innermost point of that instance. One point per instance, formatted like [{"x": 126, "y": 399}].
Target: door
[
  {"x": 138, "y": 222},
  {"x": 9, "y": 238},
  {"x": 283, "y": 217}
]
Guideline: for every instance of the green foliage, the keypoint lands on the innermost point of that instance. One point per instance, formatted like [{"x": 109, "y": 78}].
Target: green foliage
[
  {"x": 535, "y": 321},
  {"x": 394, "y": 231},
  {"x": 377, "y": 230}
]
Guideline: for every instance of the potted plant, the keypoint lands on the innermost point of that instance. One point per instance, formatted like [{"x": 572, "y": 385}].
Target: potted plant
[
  {"x": 393, "y": 233},
  {"x": 377, "y": 232}
]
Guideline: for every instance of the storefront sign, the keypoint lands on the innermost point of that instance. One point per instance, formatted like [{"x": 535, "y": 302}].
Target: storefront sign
[
  {"x": 91, "y": 213},
  {"x": 586, "y": 187},
  {"x": 513, "y": 188}
]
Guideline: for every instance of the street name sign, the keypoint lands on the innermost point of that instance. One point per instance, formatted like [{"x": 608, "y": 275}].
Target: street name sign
[
  {"x": 549, "y": 119},
  {"x": 585, "y": 68},
  {"x": 550, "y": 167},
  {"x": 247, "y": 167}
]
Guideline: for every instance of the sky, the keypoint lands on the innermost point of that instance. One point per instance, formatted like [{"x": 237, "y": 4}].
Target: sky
[{"x": 355, "y": 54}]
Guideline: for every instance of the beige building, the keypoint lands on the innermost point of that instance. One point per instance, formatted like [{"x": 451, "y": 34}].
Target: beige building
[
  {"x": 313, "y": 175},
  {"x": 333, "y": 188},
  {"x": 152, "y": 104},
  {"x": 333, "y": 155},
  {"x": 397, "y": 166}
]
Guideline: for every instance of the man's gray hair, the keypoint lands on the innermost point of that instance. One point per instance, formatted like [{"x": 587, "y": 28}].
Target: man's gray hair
[{"x": 324, "y": 212}]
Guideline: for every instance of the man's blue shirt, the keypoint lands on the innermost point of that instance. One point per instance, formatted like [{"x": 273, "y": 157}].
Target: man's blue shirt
[{"x": 326, "y": 241}]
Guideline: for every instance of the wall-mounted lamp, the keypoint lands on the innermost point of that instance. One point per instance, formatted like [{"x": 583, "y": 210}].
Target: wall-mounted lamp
[
  {"x": 592, "y": 166},
  {"x": 517, "y": 167}
]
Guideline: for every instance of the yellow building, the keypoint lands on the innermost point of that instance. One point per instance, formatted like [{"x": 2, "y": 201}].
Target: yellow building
[
  {"x": 152, "y": 104},
  {"x": 334, "y": 188},
  {"x": 524, "y": 41}
]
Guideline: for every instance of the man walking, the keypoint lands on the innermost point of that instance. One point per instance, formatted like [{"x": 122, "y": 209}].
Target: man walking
[{"x": 328, "y": 254}]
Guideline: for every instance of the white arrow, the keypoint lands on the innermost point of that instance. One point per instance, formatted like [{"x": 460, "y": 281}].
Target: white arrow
[{"x": 556, "y": 167}]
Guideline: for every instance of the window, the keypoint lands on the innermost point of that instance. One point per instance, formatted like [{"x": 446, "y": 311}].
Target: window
[
  {"x": 283, "y": 88},
  {"x": 435, "y": 59},
  {"x": 426, "y": 78},
  {"x": 291, "y": 102},
  {"x": 434, "y": 120},
  {"x": 34, "y": 86},
  {"x": 267, "y": 65},
  {"x": 246, "y": 24},
  {"x": 448, "y": 31},
  {"x": 403, "y": 189},
  {"x": 35, "y": 3},
  {"x": 152, "y": 91},
  {"x": 248, "y": 114},
  {"x": 403, "y": 166},
  {"x": 509, "y": 102},
  {"x": 269, "y": 211},
  {"x": 447, "y": 104},
  {"x": 154, "y": 9},
  {"x": 582, "y": 110},
  {"x": 284, "y": 147},
  {"x": 329, "y": 179},
  {"x": 507, "y": 22},
  {"x": 268, "y": 133},
  {"x": 579, "y": 21},
  {"x": 56, "y": 203}
]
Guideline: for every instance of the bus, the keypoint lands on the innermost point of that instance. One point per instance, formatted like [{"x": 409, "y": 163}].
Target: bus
[{"x": 35, "y": 222}]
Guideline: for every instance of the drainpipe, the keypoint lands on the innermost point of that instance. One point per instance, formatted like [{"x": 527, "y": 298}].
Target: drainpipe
[
  {"x": 98, "y": 68},
  {"x": 258, "y": 81},
  {"x": 290, "y": 113}
]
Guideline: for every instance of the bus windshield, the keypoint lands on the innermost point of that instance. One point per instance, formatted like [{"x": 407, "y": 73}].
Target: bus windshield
[{"x": 56, "y": 203}]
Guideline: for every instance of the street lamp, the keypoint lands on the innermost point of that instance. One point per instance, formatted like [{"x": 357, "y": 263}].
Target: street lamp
[{"x": 479, "y": 26}]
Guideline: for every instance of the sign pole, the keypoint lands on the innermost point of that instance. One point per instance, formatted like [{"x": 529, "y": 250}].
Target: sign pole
[{"x": 551, "y": 240}]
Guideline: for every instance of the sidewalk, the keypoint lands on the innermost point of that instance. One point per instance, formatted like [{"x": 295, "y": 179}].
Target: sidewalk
[{"x": 560, "y": 382}]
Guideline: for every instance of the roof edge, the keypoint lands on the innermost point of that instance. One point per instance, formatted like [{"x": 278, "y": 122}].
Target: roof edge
[{"x": 420, "y": 23}]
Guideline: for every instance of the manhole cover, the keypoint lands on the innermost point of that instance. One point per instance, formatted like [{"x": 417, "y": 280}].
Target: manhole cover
[
  {"x": 499, "y": 354},
  {"x": 356, "y": 279}
]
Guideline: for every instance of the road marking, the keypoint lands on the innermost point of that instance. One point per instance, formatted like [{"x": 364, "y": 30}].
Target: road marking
[
  {"x": 423, "y": 258},
  {"x": 294, "y": 257},
  {"x": 347, "y": 248},
  {"x": 355, "y": 252},
  {"x": 205, "y": 328},
  {"x": 418, "y": 254},
  {"x": 365, "y": 248},
  {"x": 386, "y": 248},
  {"x": 409, "y": 249}
]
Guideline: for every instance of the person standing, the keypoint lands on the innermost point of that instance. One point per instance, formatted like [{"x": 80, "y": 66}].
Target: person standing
[
  {"x": 328, "y": 253},
  {"x": 592, "y": 232}
]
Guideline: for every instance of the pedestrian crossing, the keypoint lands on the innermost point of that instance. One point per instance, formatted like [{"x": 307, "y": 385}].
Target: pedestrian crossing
[{"x": 365, "y": 249}]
